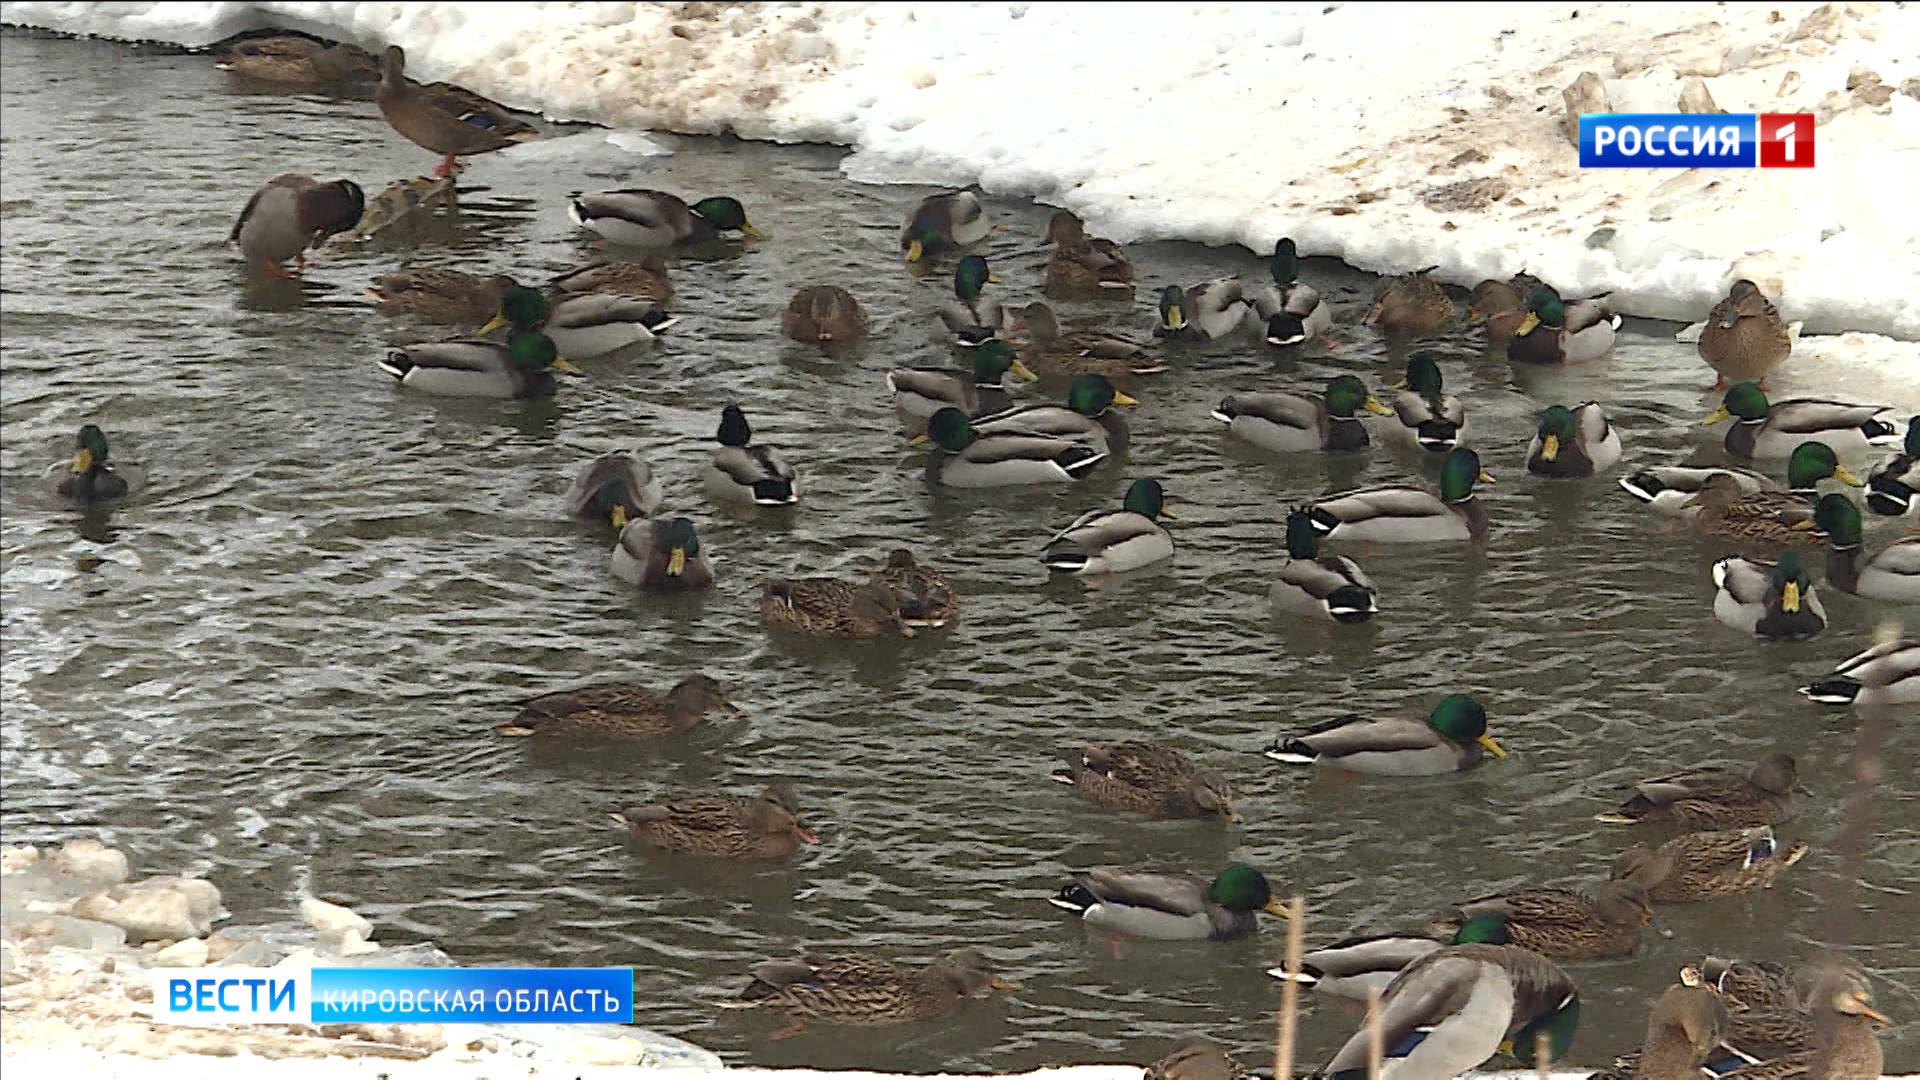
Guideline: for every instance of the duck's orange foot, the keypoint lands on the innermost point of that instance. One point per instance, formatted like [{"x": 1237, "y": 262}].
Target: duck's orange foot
[
  {"x": 276, "y": 270},
  {"x": 447, "y": 167}
]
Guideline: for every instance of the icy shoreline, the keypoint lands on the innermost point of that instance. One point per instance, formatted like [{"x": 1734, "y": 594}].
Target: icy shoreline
[{"x": 1389, "y": 139}]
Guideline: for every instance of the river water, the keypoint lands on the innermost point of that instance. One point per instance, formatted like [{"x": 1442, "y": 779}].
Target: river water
[{"x": 288, "y": 649}]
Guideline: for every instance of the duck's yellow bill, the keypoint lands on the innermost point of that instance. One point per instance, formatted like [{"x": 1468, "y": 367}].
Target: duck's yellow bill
[
  {"x": 994, "y": 278},
  {"x": 1486, "y": 477},
  {"x": 1790, "y": 597},
  {"x": 1506, "y": 1047},
  {"x": 493, "y": 324},
  {"x": 1804, "y": 525},
  {"x": 1550, "y": 447},
  {"x": 83, "y": 460},
  {"x": 1023, "y": 371},
  {"x": 918, "y": 440},
  {"x": 676, "y": 561},
  {"x": 1841, "y": 474},
  {"x": 1399, "y": 384},
  {"x": 561, "y": 363},
  {"x": 1374, "y": 315},
  {"x": 747, "y": 229},
  {"x": 1490, "y": 745},
  {"x": 1372, "y": 405},
  {"x": 915, "y": 250},
  {"x": 1869, "y": 1011},
  {"x": 1166, "y": 513},
  {"x": 999, "y": 983},
  {"x": 733, "y": 708},
  {"x": 620, "y": 516},
  {"x": 1122, "y": 399},
  {"x": 1715, "y": 416},
  {"x": 1275, "y": 907},
  {"x": 1176, "y": 319},
  {"x": 1526, "y": 325}
]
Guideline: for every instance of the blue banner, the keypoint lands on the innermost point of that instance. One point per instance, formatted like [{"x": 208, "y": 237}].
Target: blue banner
[
  {"x": 472, "y": 995},
  {"x": 1670, "y": 140}
]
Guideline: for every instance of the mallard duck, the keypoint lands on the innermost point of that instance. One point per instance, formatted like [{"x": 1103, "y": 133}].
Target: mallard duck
[
  {"x": 1321, "y": 586},
  {"x": 918, "y": 393},
  {"x": 832, "y": 608},
  {"x": 1744, "y": 338},
  {"x": 1080, "y": 264},
  {"x": 1714, "y": 798},
  {"x": 662, "y": 555},
  {"x": 290, "y": 60},
  {"x": 1774, "y": 429},
  {"x": 615, "y": 488},
  {"x": 1292, "y": 311},
  {"x": 943, "y": 223},
  {"x": 924, "y": 595},
  {"x": 1886, "y": 674},
  {"x": 1114, "y": 541},
  {"x": 1455, "y": 1007},
  {"x": 1146, "y": 778},
  {"x": 1563, "y": 924},
  {"x": 1701, "y": 865},
  {"x": 1401, "y": 514},
  {"x": 1685, "y": 1027},
  {"x": 1751, "y": 985},
  {"x": 645, "y": 218},
  {"x": 1500, "y": 306},
  {"x": 1410, "y": 304},
  {"x": 1770, "y": 600},
  {"x": 1892, "y": 573},
  {"x": 1206, "y": 312},
  {"x": 1088, "y": 417},
  {"x": 628, "y": 710},
  {"x": 1573, "y": 442},
  {"x": 1427, "y": 419},
  {"x": 643, "y": 279},
  {"x": 441, "y": 295},
  {"x": 765, "y": 827},
  {"x": 1746, "y": 1035},
  {"x": 1556, "y": 331},
  {"x": 441, "y": 117},
  {"x": 1171, "y": 907},
  {"x": 1056, "y": 355},
  {"x": 823, "y": 313},
  {"x": 469, "y": 367},
  {"x": 1196, "y": 1058},
  {"x": 582, "y": 325},
  {"x": 1670, "y": 489},
  {"x": 1769, "y": 517},
  {"x": 1844, "y": 1044},
  {"x": 1287, "y": 422},
  {"x": 858, "y": 990},
  {"x": 1451, "y": 738},
  {"x": 291, "y": 213},
  {"x": 972, "y": 317},
  {"x": 740, "y": 473},
  {"x": 1891, "y": 487},
  {"x": 1353, "y": 967},
  {"x": 962, "y": 459},
  {"x": 90, "y": 479}
]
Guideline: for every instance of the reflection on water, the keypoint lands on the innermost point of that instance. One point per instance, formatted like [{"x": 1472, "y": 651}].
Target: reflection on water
[{"x": 289, "y": 648}]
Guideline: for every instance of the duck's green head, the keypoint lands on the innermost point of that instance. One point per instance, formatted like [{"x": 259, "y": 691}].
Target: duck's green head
[
  {"x": 1301, "y": 543},
  {"x": 993, "y": 358},
  {"x": 1482, "y": 930},
  {"x": 1173, "y": 308},
  {"x": 1558, "y": 1026},
  {"x": 1790, "y": 580},
  {"x": 1423, "y": 374},
  {"x": 1146, "y": 497},
  {"x": 91, "y": 449},
  {"x": 1813, "y": 462},
  {"x": 1286, "y": 262},
  {"x": 1745, "y": 400},
  {"x": 681, "y": 542},
  {"x": 536, "y": 352},
  {"x": 1345, "y": 393},
  {"x": 1556, "y": 430},
  {"x": 950, "y": 430},
  {"x": 1241, "y": 888},
  {"x": 1912, "y": 446},
  {"x": 520, "y": 307},
  {"x": 726, "y": 214},
  {"x": 1459, "y": 472},
  {"x": 1464, "y": 720},
  {"x": 970, "y": 277},
  {"x": 1091, "y": 394},
  {"x": 1544, "y": 308},
  {"x": 923, "y": 233},
  {"x": 1839, "y": 518},
  {"x": 734, "y": 429},
  {"x": 609, "y": 501}
]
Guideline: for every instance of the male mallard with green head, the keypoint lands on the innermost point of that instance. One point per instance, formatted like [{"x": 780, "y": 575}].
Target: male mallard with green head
[
  {"x": 823, "y": 314},
  {"x": 1451, "y": 738},
  {"x": 740, "y": 473},
  {"x": 918, "y": 393},
  {"x": 1291, "y": 311},
  {"x": 1744, "y": 338},
  {"x": 1564, "y": 924},
  {"x": 1702, "y": 865},
  {"x": 1573, "y": 442},
  {"x": 614, "y": 489},
  {"x": 1146, "y": 778},
  {"x": 662, "y": 555},
  {"x": 1713, "y": 797},
  {"x": 1205, "y": 312},
  {"x": 443, "y": 118},
  {"x": 291, "y": 213},
  {"x": 971, "y": 316},
  {"x": 1088, "y": 416},
  {"x": 831, "y": 608},
  {"x": 859, "y": 990},
  {"x": 1893, "y": 488},
  {"x": 1411, "y": 304},
  {"x": 964, "y": 459},
  {"x": 1171, "y": 907},
  {"x": 1886, "y": 674},
  {"x": 1355, "y": 966},
  {"x": 1082, "y": 265},
  {"x": 582, "y": 325},
  {"x": 1329, "y": 587},
  {"x": 626, "y": 710},
  {"x": 1426, "y": 417},
  {"x": 1768, "y": 600},
  {"x": 440, "y": 295},
  {"x": 1286, "y": 422},
  {"x": 765, "y": 827},
  {"x": 943, "y": 223},
  {"x": 1557, "y": 331},
  {"x": 646, "y": 218},
  {"x": 467, "y": 367},
  {"x": 1114, "y": 541},
  {"x": 90, "y": 479},
  {"x": 1891, "y": 574},
  {"x": 1773, "y": 429},
  {"x": 1053, "y": 354},
  {"x": 1400, "y": 513}
]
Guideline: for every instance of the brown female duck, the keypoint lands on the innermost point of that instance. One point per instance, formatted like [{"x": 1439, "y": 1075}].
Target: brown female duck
[
  {"x": 831, "y": 608},
  {"x": 443, "y": 118},
  {"x": 1197, "y": 1058},
  {"x": 1683, "y": 1029},
  {"x": 1146, "y": 778},
  {"x": 824, "y": 314},
  {"x": 765, "y": 827},
  {"x": 1715, "y": 798},
  {"x": 1844, "y": 1044},
  {"x": 860, "y": 990},
  {"x": 628, "y": 710},
  {"x": 925, "y": 596},
  {"x": 1744, "y": 338},
  {"x": 643, "y": 279},
  {"x": 290, "y": 60},
  {"x": 1701, "y": 865},
  {"x": 1055, "y": 355},
  {"x": 1082, "y": 265},
  {"x": 440, "y": 294},
  {"x": 1411, "y": 304}
]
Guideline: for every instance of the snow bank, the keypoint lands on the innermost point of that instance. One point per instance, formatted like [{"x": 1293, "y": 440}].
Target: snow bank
[{"x": 1392, "y": 137}]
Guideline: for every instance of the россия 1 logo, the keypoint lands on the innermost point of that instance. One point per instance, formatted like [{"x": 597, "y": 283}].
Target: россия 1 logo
[{"x": 1696, "y": 140}]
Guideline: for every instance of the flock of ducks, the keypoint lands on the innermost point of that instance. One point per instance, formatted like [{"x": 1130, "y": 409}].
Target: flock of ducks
[{"x": 1481, "y": 978}]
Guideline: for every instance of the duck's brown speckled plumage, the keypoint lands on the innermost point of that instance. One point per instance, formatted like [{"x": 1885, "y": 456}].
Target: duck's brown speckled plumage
[
  {"x": 1563, "y": 924},
  {"x": 1197, "y": 1058},
  {"x": 1411, "y": 304},
  {"x": 1701, "y": 865},
  {"x": 832, "y": 608},
  {"x": 765, "y": 827},
  {"x": 1146, "y": 778},
  {"x": 1082, "y": 265},
  {"x": 1715, "y": 798},
  {"x": 627, "y": 710},
  {"x": 925, "y": 596},
  {"x": 839, "y": 989}
]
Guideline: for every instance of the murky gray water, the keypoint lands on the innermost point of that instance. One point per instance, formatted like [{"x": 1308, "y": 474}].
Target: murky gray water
[{"x": 288, "y": 650}]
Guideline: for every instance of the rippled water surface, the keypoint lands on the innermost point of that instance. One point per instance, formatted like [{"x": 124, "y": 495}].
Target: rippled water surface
[{"x": 288, "y": 649}]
